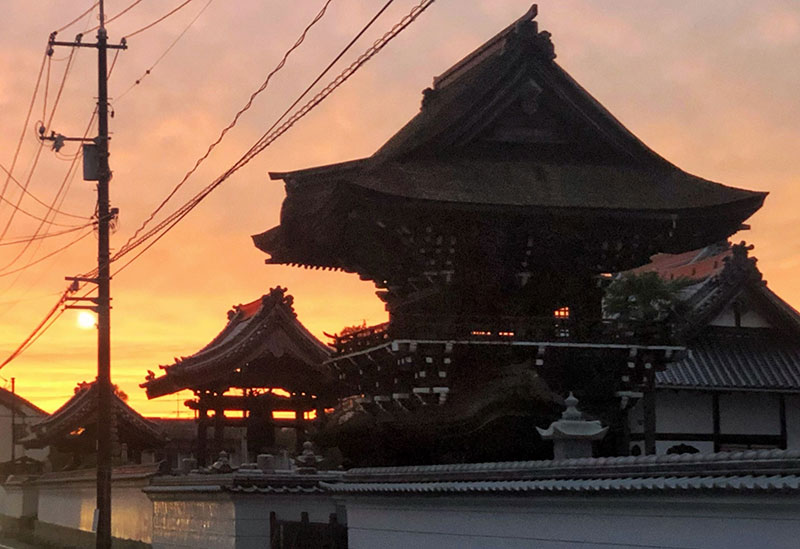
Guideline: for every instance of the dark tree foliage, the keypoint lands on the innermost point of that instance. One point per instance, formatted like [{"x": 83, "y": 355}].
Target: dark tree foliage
[
  {"x": 643, "y": 298},
  {"x": 84, "y": 386}
]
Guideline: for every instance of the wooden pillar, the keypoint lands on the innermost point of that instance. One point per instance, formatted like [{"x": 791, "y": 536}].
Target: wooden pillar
[
  {"x": 299, "y": 422},
  {"x": 321, "y": 419},
  {"x": 649, "y": 408},
  {"x": 202, "y": 433},
  {"x": 715, "y": 416},
  {"x": 219, "y": 429},
  {"x": 784, "y": 429},
  {"x": 624, "y": 444}
]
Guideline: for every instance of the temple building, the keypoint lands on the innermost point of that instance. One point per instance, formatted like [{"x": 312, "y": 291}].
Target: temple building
[
  {"x": 738, "y": 385},
  {"x": 486, "y": 223},
  {"x": 263, "y": 372},
  {"x": 71, "y": 433}
]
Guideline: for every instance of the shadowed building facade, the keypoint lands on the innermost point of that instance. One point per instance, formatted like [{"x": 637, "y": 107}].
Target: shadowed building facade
[{"x": 485, "y": 222}]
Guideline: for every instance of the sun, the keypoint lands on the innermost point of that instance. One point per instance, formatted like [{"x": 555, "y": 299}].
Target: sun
[{"x": 86, "y": 320}]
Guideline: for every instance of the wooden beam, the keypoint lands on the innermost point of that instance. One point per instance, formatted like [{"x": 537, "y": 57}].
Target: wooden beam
[
  {"x": 649, "y": 404},
  {"x": 784, "y": 429},
  {"x": 716, "y": 420}
]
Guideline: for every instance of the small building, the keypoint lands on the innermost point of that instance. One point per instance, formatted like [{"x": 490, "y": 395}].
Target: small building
[
  {"x": 738, "y": 385},
  {"x": 262, "y": 373},
  {"x": 16, "y": 417},
  {"x": 71, "y": 432}
]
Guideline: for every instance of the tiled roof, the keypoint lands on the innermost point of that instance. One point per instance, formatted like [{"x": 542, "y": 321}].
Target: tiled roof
[
  {"x": 737, "y": 358},
  {"x": 764, "y": 483},
  {"x": 750, "y": 471},
  {"x": 23, "y": 407},
  {"x": 248, "y": 481},
  {"x": 505, "y": 129},
  {"x": 122, "y": 472},
  {"x": 266, "y": 328},
  {"x": 283, "y": 490},
  {"x": 81, "y": 410}
]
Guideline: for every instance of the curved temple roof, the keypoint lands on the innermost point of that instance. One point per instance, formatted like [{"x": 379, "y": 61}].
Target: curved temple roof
[
  {"x": 267, "y": 327},
  {"x": 81, "y": 410},
  {"x": 508, "y": 127}
]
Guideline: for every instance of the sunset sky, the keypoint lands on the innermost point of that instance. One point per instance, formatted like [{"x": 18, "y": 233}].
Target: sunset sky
[{"x": 713, "y": 86}]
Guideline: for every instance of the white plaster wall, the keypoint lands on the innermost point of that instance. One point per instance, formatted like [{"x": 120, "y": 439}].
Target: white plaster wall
[
  {"x": 793, "y": 422},
  {"x": 72, "y": 504},
  {"x": 749, "y": 413},
  {"x": 18, "y": 500},
  {"x": 22, "y": 416},
  {"x": 67, "y": 504},
  {"x": 5, "y": 434},
  {"x": 194, "y": 520},
  {"x": 8, "y": 503},
  {"x": 210, "y": 520},
  {"x": 748, "y": 319},
  {"x": 684, "y": 412},
  {"x": 573, "y": 521}
]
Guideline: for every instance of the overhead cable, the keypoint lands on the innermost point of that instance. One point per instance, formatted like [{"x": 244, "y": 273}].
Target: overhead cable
[
  {"x": 182, "y": 212},
  {"x": 268, "y": 138},
  {"x": 164, "y": 54},
  {"x": 60, "y": 194},
  {"x": 26, "y": 239},
  {"x": 320, "y": 14},
  {"x": 33, "y": 335},
  {"x": 41, "y": 144},
  {"x": 81, "y": 16},
  {"x": 157, "y": 21},
  {"x": 35, "y": 198},
  {"x": 44, "y": 257},
  {"x": 24, "y": 126},
  {"x": 117, "y": 16}
]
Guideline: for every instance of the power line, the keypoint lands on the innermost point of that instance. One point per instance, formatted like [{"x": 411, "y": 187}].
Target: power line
[
  {"x": 236, "y": 117},
  {"x": 44, "y": 257},
  {"x": 81, "y": 16},
  {"x": 117, "y": 16},
  {"x": 164, "y": 54},
  {"x": 61, "y": 193},
  {"x": 255, "y": 149},
  {"x": 271, "y": 135},
  {"x": 22, "y": 346},
  {"x": 23, "y": 240},
  {"x": 25, "y": 124},
  {"x": 41, "y": 145},
  {"x": 34, "y": 197},
  {"x": 120, "y": 14},
  {"x": 313, "y": 83},
  {"x": 157, "y": 21},
  {"x": 32, "y": 216}
]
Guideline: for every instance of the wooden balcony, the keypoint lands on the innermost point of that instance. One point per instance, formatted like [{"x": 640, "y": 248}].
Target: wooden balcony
[{"x": 503, "y": 329}]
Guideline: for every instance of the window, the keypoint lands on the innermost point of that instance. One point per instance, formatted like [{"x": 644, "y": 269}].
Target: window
[{"x": 561, "y": 312}]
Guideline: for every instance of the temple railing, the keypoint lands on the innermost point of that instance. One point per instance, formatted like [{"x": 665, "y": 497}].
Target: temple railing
[{"x": 504, "y": 328}]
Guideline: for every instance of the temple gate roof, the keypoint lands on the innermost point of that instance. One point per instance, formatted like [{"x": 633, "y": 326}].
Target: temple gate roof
[
  {"x": 508, "y": 128},
  {"x": 262, "y": 339}
]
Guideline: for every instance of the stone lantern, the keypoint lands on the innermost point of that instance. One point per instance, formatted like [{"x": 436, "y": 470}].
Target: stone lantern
[{"x": 572, "y": 435}]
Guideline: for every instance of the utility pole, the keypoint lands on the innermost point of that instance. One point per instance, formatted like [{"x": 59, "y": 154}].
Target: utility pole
[
  {"x": 13, "y": 421},
  {"x": 102, "y": 303},
  {"x": 103, "y": 298}
]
